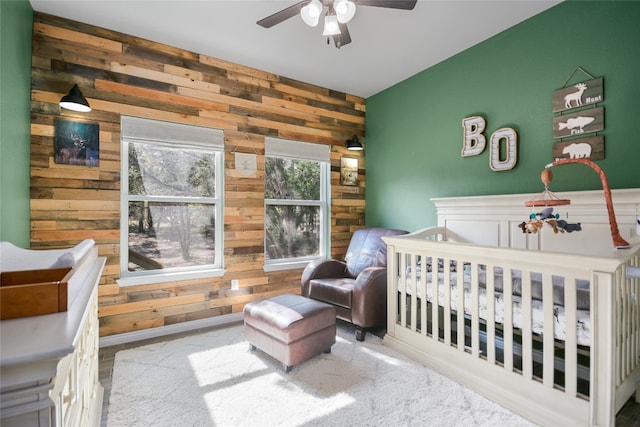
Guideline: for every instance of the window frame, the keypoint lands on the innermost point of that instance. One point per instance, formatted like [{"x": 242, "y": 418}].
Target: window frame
[
  {"x": 297, "y": 150},
  {"x": 171, "y": 135}
]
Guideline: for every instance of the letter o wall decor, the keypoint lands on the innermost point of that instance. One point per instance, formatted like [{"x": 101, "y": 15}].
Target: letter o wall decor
[{"x": 510, "y": 151}]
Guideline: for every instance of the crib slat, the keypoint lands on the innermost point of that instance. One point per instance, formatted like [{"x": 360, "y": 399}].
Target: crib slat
[
  {"x": 460, "y": 304},
  {"x": 571, "y": 341},
  {"x": 632, "y": 325},
  {"x": 423, "y": 295},
  {"x": 507, "y": 295},
  {"x": 603, "y": 346},
  {"x": 491, "y": 314},
  {"x": 623, "y": 287},
  {"x": 394, "y": 277},
  {"x": 527, "y": 335},
  {"x": 619, "y": 328},
  {"x": 414, "y": 291},
  {"x": 447, "y": 301},
  {"x": 548, "y": 328},
  {"x": 403, "y": 293},
  {"x": 636, "y": 317},
  {"x": 435, "y": 299},
  {"x": 475, "y": 315}
]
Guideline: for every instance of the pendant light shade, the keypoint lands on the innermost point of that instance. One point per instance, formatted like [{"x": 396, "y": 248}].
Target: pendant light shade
[
  {"x": 354, "y": 144},
  {"x": 311, "y": 13},
  {"x": 75, "y": 101},
  {"x": 331, "y": 27},
  {"x": 345, "y": 10}
]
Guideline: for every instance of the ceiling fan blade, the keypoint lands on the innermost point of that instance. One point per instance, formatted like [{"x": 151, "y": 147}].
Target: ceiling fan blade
[
  {"x": 282, "y": 15},
  {"x": 392, "y": 4},
  {"x": 343, "y": 38}
]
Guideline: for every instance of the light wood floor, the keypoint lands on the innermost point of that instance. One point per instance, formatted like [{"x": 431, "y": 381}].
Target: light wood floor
[{"x": 629, "y": 415}]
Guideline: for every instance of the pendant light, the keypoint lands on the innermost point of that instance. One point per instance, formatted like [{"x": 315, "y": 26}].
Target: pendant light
[
  {"x": 75, "y": 101},
  {"x": 354, "y": 144},
  {"x": 331, "y": 27}
]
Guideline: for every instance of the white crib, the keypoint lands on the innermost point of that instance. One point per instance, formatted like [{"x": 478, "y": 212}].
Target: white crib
[{"x": 557, "y": 357}]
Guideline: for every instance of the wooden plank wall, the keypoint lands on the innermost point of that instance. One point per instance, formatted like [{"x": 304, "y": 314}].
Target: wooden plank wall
[{"x": 122, "y": 74}]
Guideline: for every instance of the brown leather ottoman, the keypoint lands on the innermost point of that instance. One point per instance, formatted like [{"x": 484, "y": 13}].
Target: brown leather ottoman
[{"x": 290, "y": 328}]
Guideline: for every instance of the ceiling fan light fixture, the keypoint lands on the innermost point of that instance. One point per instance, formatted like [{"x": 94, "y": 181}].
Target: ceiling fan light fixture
[
  {"x": 345, "y": 10},
  {"x": 331, "y": 27},
  {"x": 311, "y": 12}
]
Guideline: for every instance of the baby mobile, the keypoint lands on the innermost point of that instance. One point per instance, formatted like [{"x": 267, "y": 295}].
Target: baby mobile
[{"x": 547, "y": 200}]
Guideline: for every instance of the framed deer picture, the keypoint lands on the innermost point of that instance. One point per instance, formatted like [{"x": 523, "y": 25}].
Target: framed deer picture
[{"x": 77, "y": 143}]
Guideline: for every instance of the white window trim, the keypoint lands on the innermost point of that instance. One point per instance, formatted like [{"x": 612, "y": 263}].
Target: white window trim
[
  {"x": 276, "y": 147},
  {"x": 291, "y": 265},
  {"x": 141, "y": 130}
]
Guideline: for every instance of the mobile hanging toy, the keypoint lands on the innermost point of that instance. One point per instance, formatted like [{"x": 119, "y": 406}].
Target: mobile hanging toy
[{"x": 547, "y": 199}]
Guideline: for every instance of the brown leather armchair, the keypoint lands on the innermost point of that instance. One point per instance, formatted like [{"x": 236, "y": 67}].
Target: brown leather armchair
[{"x": 357, "y": 286}]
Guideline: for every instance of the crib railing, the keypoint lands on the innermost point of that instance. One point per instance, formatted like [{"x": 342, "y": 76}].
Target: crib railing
[
  {"x": 548, "y": 380},
  {"x": 627, "y": 329}
]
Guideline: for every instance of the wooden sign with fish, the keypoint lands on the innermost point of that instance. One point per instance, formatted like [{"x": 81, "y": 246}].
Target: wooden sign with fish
[
  {"x": 578, "y": 123},
  {"x": 579, "y": 95}
]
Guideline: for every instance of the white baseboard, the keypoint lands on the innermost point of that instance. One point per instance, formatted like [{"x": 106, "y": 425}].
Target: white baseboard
[{"x": 169, "y": 329}]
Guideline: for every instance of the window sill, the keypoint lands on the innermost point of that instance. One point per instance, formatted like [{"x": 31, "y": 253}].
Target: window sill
[
  {"x": 165, "y": 277},
  {"x": 286, "y": 265}
]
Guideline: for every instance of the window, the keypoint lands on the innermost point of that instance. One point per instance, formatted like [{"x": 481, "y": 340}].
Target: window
[
  {"x": 296, "y": 202},
  {"x": 171, "y": 210}
]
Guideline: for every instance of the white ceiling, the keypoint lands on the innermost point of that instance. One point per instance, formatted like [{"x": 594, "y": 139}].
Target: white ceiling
[{"x": 388, "y": 45}]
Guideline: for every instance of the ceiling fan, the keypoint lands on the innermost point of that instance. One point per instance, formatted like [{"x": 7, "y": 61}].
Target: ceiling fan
[{"x": 336, "y": 16}]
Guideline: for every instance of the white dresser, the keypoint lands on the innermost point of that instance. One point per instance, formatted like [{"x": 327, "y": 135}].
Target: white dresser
[{"x": 49, "y": 363}]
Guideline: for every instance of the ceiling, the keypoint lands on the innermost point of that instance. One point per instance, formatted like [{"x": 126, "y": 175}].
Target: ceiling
[{"x": 388, "y": 45}]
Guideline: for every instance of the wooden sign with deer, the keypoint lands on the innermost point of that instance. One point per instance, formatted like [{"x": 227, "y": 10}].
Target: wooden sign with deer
[{"x": 579, "y": 95}]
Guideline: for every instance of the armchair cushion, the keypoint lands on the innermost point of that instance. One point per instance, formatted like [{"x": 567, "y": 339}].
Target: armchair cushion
[
  {"x": 322, "y": 269},
  {"x": 337, "y": 291},
  {"x": 366, "y": 249}
]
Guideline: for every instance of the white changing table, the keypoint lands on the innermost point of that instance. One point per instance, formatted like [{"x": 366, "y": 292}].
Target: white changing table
[{"x": 49, "y": 363}]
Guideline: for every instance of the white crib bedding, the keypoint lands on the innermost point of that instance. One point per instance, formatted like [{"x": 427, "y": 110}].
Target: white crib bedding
[{"x": 582, "y": 315}]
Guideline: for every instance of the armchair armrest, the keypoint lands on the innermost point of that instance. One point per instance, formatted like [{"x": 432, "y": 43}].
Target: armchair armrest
[
  {"x": 322, "y": 269},
  {"x": 369, "y": 298}
]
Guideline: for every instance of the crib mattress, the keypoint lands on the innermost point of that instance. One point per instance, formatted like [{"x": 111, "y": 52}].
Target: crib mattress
[{"x": 582, "y": 315}]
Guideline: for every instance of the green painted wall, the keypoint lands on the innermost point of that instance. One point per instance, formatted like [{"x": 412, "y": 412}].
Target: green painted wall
[
  {"x": 16, "y": 22},
  {"x": 414, "y": 129}
]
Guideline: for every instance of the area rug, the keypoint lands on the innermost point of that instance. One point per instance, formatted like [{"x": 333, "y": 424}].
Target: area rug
[{"x": 214, "y": 379}]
